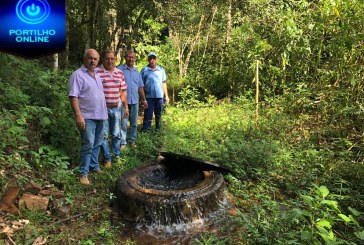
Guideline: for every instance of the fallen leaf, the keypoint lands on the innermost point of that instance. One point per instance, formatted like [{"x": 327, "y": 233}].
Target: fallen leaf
[
  {"x": 7, "y": 230},
  {"x": 40, "y": 241},
  {"x": 20, "y": 224}
]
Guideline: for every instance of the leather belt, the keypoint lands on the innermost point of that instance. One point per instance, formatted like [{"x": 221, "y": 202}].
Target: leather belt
[{"x": 110, "y": 106}]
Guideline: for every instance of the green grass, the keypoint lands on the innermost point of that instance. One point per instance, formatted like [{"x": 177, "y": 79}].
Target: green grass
[{"x": 275, "y": 166}]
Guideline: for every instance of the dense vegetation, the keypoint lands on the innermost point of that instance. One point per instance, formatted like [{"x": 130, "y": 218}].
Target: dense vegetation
[{"x": 298, "y": 167}]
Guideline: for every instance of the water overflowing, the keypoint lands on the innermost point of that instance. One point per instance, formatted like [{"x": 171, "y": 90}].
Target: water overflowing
[
  {"x": 170, "y": 202},
  {"x": 177, "y": 233}
]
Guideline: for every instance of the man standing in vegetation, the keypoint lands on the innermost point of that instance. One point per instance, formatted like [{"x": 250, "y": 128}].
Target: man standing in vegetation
[
  {"x": 116, "y": 102},
  {"x": 135, "y": 89},
  {"x": 155, "y": 87},
  {"x": 88, "y": 103}
]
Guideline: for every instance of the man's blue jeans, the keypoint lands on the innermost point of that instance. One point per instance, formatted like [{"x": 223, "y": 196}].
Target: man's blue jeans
[
  {"x": 133, "y": 117},
  {"x": 113, "y": 124},
  {"x": 154, "y": 105},
  {"x": 91, "y": 140}
]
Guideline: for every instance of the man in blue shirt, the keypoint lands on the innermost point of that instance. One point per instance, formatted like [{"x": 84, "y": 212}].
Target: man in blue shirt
[
  {"x": 135, "y": 89},
  {"x": 155, "y": 87}
]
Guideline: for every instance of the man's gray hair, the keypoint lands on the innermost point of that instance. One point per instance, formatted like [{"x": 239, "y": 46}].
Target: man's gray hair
[
  {"x": 108, "y": 51},
  {"x": 129, "y": 51},
  {"x": 88, "y": 50}
]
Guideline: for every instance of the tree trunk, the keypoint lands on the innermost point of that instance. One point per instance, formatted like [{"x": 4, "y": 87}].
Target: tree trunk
[
  {"x": 114, "y": 37},
  {"x": 121, "y": 40},
  {"x": 257, "y": 94},
  {"x": 228, "y": 33},
  {"x": 228, "y": 22},
  {"x": 55, "y": 62},
  {"x": 89, "y": 25},
  {"x": 214, "y": 9},
  {"x": 192, "y": 47},
  {"x": 91, "y": 10},
  {"x": 67, "y": 48}
]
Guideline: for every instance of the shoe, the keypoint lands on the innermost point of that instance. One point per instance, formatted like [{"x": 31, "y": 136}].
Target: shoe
[
  {"x": 122, "y": 147},
  {"x": 133, "y": 145},
  {"x": 84, "y": 180},
  {"x": 107, "y": 164},
  {"x": 99, "y": 171}
]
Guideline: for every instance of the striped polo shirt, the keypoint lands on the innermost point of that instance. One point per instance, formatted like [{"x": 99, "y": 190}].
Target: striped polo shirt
[{"x": 113, "y": 82}]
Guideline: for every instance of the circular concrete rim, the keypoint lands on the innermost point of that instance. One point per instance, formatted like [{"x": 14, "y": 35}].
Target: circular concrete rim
[
  {"x": 167, "y": 207},
  {"x": 208, "y": 179},
  {"x": 125, "y": 188}
]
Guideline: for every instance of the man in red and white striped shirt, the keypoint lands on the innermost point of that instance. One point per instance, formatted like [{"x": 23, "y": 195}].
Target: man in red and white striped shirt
[{"x": 116, "y": 102}]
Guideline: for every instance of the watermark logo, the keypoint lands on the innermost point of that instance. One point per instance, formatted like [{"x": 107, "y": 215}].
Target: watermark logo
[
  {"x": 32, "y": 28},
  {"x": 32, "y": 11}
]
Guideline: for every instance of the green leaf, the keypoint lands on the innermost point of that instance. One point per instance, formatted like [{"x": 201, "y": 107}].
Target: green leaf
[
  {"x": 360, "y": 235},
  {"x": 293, "y": 214},
  {"x": 45, "y": 121},
  {"x": 21, "y": 121},
  {"x": 308, "y": 200},
  {"x": 331, "y": 203},
  {"x": 352, "y": 218},
  {"x": 306, "y": 235},
  {"x": 345, "y": 218},
  {"x": 324, "y": 223},
  {"x": 327, "y": 235},
  {"x": 23, "y": 139},
  {"x": 324, "y": 191},
  {"x": 354, "y": 211},
  {"x": 322, "y": 230}
]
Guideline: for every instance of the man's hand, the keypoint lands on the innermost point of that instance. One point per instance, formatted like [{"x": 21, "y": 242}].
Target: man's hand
[
  {"x": 145, "y": 104},
  {"x": 166, "y": 100},
  {"x": 80, "y": 122},
  {"x": 126, "y": 112}
]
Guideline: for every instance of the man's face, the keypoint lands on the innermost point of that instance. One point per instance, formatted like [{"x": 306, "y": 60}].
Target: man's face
[
  {"x": 109, "y": 61},
  {"x": 91, "y": 59},
  {"x": 130, "y": 59},
  {"x": 152, "y": 61}
]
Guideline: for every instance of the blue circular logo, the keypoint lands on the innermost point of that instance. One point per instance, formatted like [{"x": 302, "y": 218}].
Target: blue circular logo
[{"x": 33, "y": 11}]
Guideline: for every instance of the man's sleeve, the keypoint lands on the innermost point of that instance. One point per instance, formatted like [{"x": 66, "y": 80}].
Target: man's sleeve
[
  {"x": 142, "y": 76},
  {"x": 123, "y": 83},
  {"x": 74, "y": 86},
  {"x": 141, "y": 84}
]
